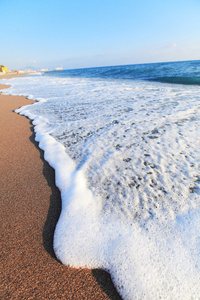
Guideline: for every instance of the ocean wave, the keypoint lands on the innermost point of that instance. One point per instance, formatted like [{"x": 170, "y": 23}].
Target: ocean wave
[
  {"x": 126, "y": 156},
  {"x": 178, "y": 80},
  {"x": 187, "y": 73}
]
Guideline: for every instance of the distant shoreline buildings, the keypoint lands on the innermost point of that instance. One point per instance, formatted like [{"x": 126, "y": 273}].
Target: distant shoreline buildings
[
  {"x": 4, "y": 70},
  {"x": 59, "y": 69},
  {"x": 47, "y": 70}
]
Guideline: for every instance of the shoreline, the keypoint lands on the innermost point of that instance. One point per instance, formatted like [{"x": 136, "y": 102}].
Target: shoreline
[
  {"x": 30, "y": 208},
  {"x": 10, "y": 75}
]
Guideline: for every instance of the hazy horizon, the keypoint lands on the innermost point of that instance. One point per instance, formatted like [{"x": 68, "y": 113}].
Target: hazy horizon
[{"x": 45, "y": 34}]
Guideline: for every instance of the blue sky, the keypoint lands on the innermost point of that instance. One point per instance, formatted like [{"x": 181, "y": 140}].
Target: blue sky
[{"x": 87, "y": 33}]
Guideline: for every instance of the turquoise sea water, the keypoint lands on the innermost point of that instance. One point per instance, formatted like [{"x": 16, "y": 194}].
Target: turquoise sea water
[{"x": 187, "y": 72}]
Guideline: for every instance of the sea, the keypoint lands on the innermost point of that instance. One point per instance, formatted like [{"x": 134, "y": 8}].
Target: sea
[{"x": 125, "y": 145}]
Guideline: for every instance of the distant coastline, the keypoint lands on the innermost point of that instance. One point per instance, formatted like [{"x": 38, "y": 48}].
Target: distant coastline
[{"x": 10, "y": 74}]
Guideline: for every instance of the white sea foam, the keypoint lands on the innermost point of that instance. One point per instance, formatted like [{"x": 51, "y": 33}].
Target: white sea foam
[{"x": 127, "y": 162}]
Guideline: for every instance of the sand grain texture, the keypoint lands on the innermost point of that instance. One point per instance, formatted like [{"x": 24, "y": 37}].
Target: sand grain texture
[{"x": 29, "y": 209}]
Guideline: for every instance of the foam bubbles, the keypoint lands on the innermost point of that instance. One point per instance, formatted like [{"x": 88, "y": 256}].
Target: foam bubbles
[{"x": 127, "y": 161}]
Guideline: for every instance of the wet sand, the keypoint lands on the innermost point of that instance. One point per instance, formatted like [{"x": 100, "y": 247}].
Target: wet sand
[{"x": 30, "y": 205}]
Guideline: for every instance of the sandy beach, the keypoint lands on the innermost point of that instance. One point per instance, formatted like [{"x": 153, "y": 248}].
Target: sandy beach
[{"x": 30, "y": 207}]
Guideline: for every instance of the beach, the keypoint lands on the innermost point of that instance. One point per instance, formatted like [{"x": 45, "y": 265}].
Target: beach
[
  {"x": 125, "y": 157},
  {"x": 30, "y": 208}
]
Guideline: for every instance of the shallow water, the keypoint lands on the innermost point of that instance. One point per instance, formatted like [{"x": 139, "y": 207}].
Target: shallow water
[{"x": 127, "y": 161}]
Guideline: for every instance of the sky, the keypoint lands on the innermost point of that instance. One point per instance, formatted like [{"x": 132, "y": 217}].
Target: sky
[{"x": 92, "y": 33}]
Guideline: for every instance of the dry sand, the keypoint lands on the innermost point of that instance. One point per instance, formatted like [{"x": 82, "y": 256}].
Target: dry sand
[{"x": 29, "y": 210}]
